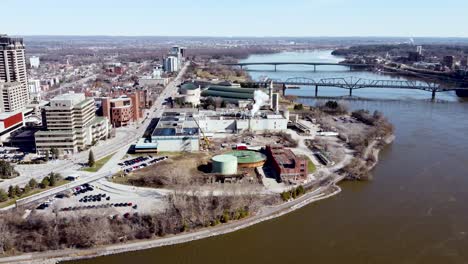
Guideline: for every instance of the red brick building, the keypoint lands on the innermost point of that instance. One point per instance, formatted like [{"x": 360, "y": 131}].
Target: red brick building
[
  {"x": 289, "y": 167},
  {"x": 121, "y": 111}
]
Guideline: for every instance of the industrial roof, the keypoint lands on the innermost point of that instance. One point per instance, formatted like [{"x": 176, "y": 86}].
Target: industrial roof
[{"x": 247, "y": 156}]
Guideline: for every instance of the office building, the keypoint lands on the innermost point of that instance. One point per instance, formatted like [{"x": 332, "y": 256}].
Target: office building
[
  {"x": 34, "y": 62},
  {"x": 13, "y": 63},
  {"x": 71, "y": 125},
  {"x": 171, "y": 64}
]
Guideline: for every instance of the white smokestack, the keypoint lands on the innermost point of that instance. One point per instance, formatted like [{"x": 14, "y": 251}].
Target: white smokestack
[{"x": 260, "y": 99}]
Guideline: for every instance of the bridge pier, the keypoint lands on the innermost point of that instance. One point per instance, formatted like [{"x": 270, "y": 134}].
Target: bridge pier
[
  {"x": 315, "y": 68},
  {"x": 316, "y": 90},
  {"x": 433, "y": 95},
  {"x": 275, "y": 67},
  {"x": 350, "y": 92}
]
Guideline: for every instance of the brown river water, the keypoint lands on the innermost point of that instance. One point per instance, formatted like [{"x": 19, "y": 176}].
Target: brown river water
[{"x": 415, "y": 210}]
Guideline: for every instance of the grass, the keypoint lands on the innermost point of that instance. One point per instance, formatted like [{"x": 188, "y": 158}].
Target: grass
[
  {"x": 310, "y": 166},
  {"x": 32, "y": 192},
  {"x": 98, "y": 164}
]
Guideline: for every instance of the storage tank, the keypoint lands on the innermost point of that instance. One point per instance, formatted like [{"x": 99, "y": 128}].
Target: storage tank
[{"x": 224, "y": 164}]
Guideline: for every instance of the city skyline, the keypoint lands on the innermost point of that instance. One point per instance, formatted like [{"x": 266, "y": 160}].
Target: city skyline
[{"x": 222, "y": 18}]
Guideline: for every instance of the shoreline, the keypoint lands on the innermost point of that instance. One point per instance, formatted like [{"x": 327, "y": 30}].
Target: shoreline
[{"x": 264, "y": 214}]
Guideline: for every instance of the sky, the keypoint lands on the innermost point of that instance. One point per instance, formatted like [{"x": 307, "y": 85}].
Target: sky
[{"x": 295, "y": 18}]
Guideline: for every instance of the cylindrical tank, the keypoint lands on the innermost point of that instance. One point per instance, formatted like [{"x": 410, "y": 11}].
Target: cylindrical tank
[{"x": 224, "y": 164}]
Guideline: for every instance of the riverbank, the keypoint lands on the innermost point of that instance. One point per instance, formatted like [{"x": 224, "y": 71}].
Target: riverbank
[{"x": 264, "y": 214}]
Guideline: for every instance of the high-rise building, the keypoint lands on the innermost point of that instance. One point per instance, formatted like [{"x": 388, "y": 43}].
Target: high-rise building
[
  {"x": 419, "y": 50},
  {"x": 13, "y": 63},
  {"x": 71, "y": 125},
  {"x": 34, "y": 62},
  {"x": 171, "y": 64}
]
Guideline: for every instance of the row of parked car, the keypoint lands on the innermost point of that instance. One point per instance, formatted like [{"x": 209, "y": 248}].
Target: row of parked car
[
  {"x": 145, "y": 164},
  {"x": 83, "y": 189},
  {"x": 99, "y": 206},
  {"x": 135, "y": 160},
  {"x": 94, "y": 198}
]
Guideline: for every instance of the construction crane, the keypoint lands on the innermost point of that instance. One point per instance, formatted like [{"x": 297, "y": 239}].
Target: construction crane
[{"x": 207, "y": 141}]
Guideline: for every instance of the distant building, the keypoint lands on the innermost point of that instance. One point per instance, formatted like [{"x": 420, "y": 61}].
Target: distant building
[
  {"x": 171, "y": 64},
  {"x": 35, "y": 89},
  {"x": 419, "y": 50},
  {"x": 121, "y": 111},
  {"x": 13, "y": 63},
  {"x": 34, "y": 62},
  {"x": 71, "y": 125},
  {"x": 289, "y": 168}
]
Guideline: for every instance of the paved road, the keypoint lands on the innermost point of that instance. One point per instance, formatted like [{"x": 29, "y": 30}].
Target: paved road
[{"x": 125, "y": 137}]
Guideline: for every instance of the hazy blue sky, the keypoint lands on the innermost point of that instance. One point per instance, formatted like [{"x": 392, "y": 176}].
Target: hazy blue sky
[{"x": 446, "y": 18}]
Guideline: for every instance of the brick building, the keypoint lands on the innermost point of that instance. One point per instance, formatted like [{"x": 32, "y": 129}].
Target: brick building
[
  {"x": 290, "y": 168},
  {"x": 123, "y": 110}
]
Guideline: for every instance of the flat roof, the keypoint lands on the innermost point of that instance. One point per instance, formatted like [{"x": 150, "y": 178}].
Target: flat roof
[{"x": 247, "y": 156}]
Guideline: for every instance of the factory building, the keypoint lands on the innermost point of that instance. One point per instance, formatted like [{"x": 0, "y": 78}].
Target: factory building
[
  {"x": 183, "y": 130},
  {"x": 289, "y": 168}
]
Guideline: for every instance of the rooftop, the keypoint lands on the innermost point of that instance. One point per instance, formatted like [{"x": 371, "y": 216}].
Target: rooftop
[{"x": 247, "y": 156}]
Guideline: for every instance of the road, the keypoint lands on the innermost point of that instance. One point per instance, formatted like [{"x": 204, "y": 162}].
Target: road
[{"x": 125, "y": 137}]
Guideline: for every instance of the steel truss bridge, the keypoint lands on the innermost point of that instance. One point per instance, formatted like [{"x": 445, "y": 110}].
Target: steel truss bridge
[
  {"x": 353, "y": 83},
  {"x": 315, "y": 64}
]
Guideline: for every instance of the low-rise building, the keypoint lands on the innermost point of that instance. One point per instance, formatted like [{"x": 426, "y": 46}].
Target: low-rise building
[
  {"x": 289, "y": 168},
  {"x": 71, "y": 125}
]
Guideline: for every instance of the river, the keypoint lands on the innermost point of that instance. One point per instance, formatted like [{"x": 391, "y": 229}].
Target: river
[{"x": 413, "y": 211}]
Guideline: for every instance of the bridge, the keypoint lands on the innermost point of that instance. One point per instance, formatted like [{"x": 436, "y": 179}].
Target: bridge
[
  {"x": 315, "y": 64},
  {"x": 353, "y": 83}
]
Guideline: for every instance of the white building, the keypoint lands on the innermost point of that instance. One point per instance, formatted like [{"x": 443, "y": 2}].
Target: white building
[
  {"x": 34, "y": 62},
  {"x": 12, "y": 97},
  {"x": 35, "y": 89},
  {"x": 71, "y": 124},
  {"x": 171, "y": 64}
]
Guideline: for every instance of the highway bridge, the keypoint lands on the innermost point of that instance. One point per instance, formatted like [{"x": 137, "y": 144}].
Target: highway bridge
[
  {"x": 353, "y": 83},
  {"x": 315, "y": 64}
]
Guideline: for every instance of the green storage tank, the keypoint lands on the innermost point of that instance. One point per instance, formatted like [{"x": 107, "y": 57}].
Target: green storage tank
[{"x": 224, "y": 164}]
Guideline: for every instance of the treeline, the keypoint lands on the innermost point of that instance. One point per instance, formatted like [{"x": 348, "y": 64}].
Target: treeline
[
  {"x": 293, "y": 193},
  {"x": 16, "y": 192},
  {"x": 40, "y": 233}
]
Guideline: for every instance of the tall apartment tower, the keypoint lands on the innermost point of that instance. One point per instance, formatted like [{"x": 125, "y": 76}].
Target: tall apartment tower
[{"x": 13, "y": 63}]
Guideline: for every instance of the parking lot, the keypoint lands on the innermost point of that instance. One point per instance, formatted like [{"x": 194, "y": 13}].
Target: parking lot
[{"x": 103, "y": 197}]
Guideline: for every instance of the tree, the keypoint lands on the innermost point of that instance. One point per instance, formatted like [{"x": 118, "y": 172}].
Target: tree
[
  {"x": 7, "y": 171},
  {"x": 11, "y": 192},
  {"x": 299, "y": 107},
  {"x": 44, "y": 183},
  {"x": 55, "y": 153},
  {"x": 32, "y": 183},
  {"x": 3, "y": 196},
  {"x": 27, "y": 189},
  {"x": 52, "y": 179},
  {"x": 91, "y": 160}
]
